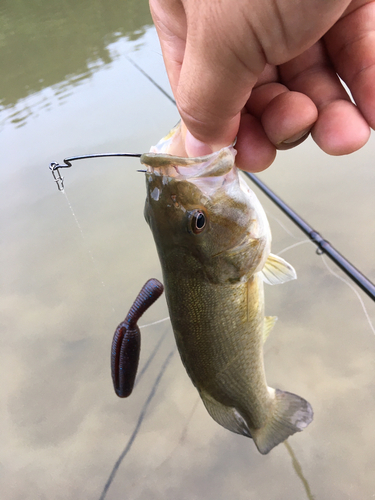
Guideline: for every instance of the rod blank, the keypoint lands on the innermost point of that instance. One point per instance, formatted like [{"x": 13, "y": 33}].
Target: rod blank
[{"x": 364, "y": 283}]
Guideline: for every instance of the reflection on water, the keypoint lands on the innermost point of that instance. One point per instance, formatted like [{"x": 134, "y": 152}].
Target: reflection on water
[
  {"x": 57, "y": 45},
  {"x": 64, "y": 432},
  {"x": 138, "y": 425},
  {"x": 297, "y": 467}
]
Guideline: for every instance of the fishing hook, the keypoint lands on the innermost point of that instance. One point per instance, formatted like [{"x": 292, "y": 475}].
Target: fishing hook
[{"x": 55, "y": 167}]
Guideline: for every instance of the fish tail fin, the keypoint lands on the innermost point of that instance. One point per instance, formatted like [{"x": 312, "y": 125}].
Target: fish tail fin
[{"x": 291, "y": 414}]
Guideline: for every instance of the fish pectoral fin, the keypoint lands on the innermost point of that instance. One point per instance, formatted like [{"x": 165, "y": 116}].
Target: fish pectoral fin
[
  {"x": 291, "y": 414},
  {"x": 226, "y": 416},
  {"x": 269, "y": 323},
  {"x": 277, "y": 270}
]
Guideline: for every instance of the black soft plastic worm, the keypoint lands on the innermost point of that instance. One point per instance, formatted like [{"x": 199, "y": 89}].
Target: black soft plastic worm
[{"x": 126, "y": 342}]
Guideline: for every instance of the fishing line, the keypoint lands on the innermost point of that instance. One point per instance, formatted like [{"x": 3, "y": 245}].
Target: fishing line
[
  {"x": 271, "y": 216},
  {"x": 150, "y": 358},
  {"x": 336, "y": 276},
  {"x": 91, "y": 255},
  {"x": 354, "y": 290},
  {"x": 294, "y": 245},
  {"x": 155, "y": 322}
]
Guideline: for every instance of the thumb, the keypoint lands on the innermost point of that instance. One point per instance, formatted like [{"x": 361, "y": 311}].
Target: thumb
[{"x": 214, "y": 83}]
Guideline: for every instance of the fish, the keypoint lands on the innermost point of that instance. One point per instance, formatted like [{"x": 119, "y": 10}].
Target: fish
[{"x": 214, "y": 244}]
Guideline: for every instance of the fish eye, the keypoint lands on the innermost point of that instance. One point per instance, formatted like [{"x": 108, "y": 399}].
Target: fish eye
[{"x": 198, "y": 221}]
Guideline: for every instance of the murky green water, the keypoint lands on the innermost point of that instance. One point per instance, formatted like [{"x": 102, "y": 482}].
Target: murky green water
[{"x": 69, "y": 87}]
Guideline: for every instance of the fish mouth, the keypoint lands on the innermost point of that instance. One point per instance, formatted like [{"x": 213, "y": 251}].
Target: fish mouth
[
  {"x": 208, "y": 173},
  {"x": 216, "y": 164}
]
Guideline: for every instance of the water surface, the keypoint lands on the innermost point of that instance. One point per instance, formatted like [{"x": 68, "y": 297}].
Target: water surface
[{"x": 71, "y": 88}]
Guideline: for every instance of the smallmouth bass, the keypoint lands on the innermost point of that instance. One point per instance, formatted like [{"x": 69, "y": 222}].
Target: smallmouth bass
[{"x": 213, "y": 241}]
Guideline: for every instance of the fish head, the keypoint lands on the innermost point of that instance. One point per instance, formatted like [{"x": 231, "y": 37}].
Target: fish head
[{"x": 204, "y": 217}]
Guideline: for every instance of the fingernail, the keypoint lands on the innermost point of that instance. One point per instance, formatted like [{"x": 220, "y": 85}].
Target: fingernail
[
  {"x": 194, "y": 147},
  {"x": 296, "y": 137},
  {"x": 293, "y": 141}
]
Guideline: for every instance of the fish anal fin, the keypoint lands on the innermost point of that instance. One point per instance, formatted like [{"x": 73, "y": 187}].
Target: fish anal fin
[
  {"x": 277, "y": 270},
  {"x": 269, "y": 323},
  {"x": 226, "y": 416},
  {"x": 291, "y": 414}
]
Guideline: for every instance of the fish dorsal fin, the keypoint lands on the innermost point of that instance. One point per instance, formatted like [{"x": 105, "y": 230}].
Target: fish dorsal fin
[
  {"x": 269, "y": 323},
  {"x": 277, "y": 270}
]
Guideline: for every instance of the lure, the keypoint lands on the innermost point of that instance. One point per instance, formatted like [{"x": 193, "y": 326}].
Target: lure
[{"x": 126, "y": 344}]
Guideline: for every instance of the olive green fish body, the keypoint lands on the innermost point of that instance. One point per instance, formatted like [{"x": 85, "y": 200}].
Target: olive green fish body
[
  {"x": 225, "y": 362},
  {"x": 213, "y": 241}
]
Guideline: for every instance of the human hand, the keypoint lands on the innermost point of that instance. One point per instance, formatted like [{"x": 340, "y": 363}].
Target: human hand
[{"x": 266, "y": 72}]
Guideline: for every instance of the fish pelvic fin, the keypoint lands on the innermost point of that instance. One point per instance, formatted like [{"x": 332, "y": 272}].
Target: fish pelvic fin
[
  {"x": 277, "y": 270},
  {"x": 291, "y": 414},
  {"x": 226, "y": 416},
  {"x": 269, "y": 323}
]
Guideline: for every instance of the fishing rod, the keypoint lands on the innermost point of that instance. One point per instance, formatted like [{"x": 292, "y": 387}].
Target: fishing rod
[{"x": 323, "y": 245}]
